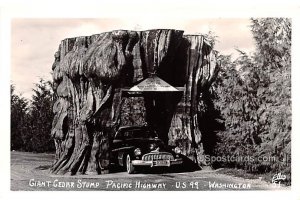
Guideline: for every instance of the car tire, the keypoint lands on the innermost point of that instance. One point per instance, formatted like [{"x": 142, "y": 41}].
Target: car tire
[{"x": 129, "y": 167}]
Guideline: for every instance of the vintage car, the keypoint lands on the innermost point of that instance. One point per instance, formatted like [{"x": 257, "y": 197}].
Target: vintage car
[{"x": 139, "y": 146}]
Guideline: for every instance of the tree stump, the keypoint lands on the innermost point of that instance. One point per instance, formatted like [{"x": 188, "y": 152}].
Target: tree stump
[{"x": 89, "y": 74}]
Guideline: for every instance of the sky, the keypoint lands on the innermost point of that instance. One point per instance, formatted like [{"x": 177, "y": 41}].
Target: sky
[{"x": 34, "y": 41}]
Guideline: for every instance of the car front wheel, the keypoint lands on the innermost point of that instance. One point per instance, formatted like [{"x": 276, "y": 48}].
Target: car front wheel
[{"x": 129, "y": 166}]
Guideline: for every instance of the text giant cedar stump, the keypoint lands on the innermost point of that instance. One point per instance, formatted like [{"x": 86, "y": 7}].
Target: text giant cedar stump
[{"x": 89, "y": 74}]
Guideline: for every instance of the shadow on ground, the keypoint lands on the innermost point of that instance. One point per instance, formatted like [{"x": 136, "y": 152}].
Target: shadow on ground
[{"x": 43, "y": 167}]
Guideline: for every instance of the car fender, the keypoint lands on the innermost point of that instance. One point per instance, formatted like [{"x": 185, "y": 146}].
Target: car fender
[{"x": 123, "y": 151}]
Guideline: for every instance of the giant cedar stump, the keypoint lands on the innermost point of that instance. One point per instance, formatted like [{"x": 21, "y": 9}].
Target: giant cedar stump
[{"x": 89, "y": 74}]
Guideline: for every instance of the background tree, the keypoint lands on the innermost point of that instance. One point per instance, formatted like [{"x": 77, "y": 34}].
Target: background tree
[
  {"x": 38, "y": 137},
  {"x": 31, "y": 120},
  {"x": 19, "y": 107},
  {"x": 253, "y": 94}
]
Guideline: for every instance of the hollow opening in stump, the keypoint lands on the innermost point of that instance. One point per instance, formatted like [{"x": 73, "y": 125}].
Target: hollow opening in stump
[{"x": 159, "y": 105}]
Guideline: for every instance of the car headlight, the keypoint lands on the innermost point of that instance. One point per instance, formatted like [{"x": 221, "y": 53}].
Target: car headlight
[
  {"x": 177, "y": 150},
  {"x": 152, "y": 146},
  {"x": 137, "y": 152}
]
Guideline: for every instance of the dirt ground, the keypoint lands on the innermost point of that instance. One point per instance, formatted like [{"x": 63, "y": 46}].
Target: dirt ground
[{"x": 30, "y": 172}]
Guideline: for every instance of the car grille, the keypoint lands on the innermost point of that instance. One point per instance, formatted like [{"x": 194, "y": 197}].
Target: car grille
[{"x": 157, "y": 156}]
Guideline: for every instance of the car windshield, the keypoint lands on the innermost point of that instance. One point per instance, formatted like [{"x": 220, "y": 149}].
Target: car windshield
[{"x": 135, "y": 133}]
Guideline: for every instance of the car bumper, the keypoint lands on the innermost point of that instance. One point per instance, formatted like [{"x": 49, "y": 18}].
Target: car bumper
[{"x": 163, "y": 163}]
